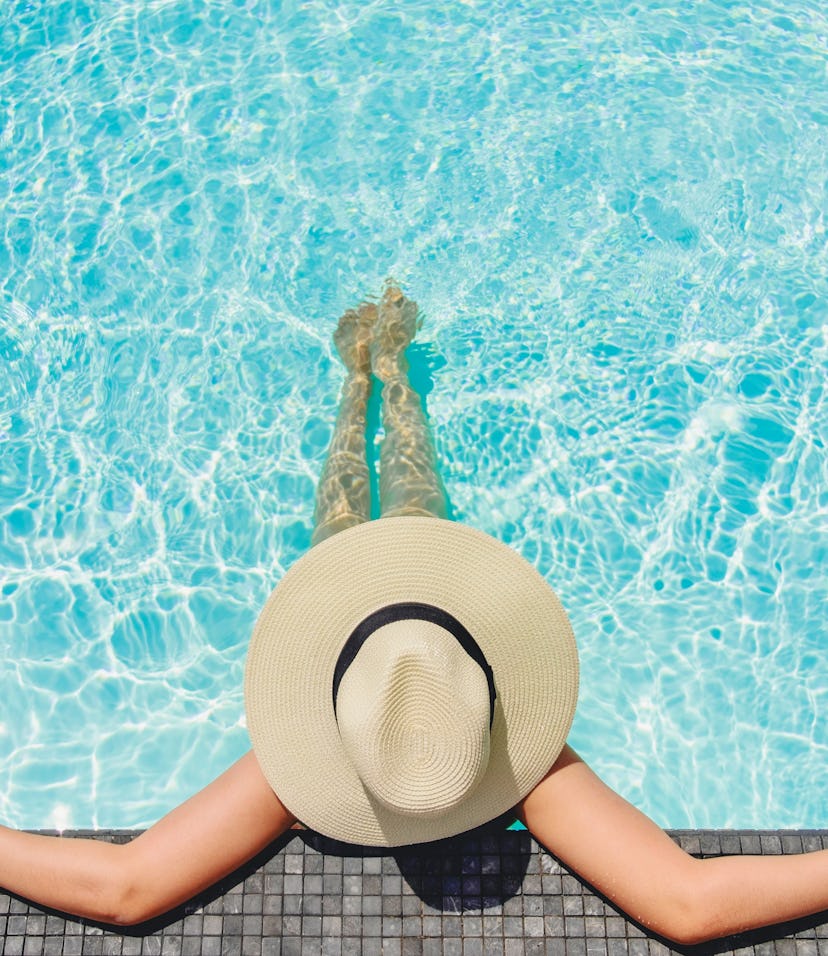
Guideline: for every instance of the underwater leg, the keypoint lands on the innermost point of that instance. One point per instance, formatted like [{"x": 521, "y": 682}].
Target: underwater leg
[
  {"x": 409, "y": 481},
  {"x": 343, "y": 496}
]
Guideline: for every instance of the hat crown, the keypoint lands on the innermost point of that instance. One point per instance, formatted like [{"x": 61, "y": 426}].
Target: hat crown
[
  {"x": 413, "y": 710},
  {"x": 494, "y": 603}
]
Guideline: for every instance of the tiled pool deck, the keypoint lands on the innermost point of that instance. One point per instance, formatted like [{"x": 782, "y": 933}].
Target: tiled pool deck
[{"x": 488, "y": 893}]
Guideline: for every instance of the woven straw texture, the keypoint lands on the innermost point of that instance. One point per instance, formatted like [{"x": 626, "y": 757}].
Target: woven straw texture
[{"x": 499, "y": 598}]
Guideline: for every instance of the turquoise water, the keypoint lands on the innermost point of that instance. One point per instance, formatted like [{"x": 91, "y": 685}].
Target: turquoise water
[{"x": 614, "y": 220}]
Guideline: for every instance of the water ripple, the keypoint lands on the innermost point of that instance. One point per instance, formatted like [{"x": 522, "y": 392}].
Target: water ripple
[{"x": 615, "y": 226}]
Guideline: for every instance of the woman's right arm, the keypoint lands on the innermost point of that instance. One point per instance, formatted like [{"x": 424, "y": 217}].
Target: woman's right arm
[
  {"x": 191, "y": 848},
  {"x": 629, "y": 859}
]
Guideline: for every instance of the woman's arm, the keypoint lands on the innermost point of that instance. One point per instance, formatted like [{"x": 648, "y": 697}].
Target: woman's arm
[
  {"x": 625, "y": 856},
  {"x": 192, "y": 847}
]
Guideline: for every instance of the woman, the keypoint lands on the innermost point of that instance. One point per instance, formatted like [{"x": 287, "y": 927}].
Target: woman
[{"x": 454, "y": 684}]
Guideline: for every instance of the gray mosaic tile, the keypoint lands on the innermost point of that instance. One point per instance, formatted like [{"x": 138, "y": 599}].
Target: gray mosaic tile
[
  {"x": 533, "y": 926},
  {"x": 532, "y": 905},
  {"x": 729, "y": 843},
  {"x": 709, "y": 843},
  {"x": 771, "y": 844},
  {"x": 412, "y": 927},
  {"x": 764, "y": 949},
  {"x": 597, "y": 946},
  {"x": 751, "y": 843},
  {"x": 494, "y": 947},
  {"x": 615, "y": 926},
  {"x": 554, "y": 926},
  {"x": 488, "y": 894}
]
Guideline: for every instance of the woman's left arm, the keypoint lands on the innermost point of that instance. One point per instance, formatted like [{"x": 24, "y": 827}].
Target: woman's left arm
[{"x": 632, "y": 862}]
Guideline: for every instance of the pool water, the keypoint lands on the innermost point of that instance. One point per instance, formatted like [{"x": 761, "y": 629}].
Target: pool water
[{"x": 613, "y": 217}]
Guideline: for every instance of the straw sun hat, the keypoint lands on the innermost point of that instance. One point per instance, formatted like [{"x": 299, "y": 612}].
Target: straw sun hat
[{"x": 409, "y": 679}]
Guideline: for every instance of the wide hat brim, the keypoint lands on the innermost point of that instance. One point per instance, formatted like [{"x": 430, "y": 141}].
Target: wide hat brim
[{"x": 513, "y": 614}]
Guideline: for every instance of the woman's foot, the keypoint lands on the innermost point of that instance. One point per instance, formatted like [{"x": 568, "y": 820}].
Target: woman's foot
[
  {"x": 353, "y": 336},
  {"x": 395, "y": 329}
]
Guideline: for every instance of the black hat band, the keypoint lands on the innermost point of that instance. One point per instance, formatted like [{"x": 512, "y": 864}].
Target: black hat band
[{"x": 418, "y": 612}]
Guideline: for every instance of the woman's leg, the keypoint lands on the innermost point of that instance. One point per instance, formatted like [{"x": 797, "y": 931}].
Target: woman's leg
[
  {"x": 635, "y": 864},
  {"x": 409, "y": 482},
  {"x": 191, "y": 848},
  {"x": 343, "y": 497}
]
